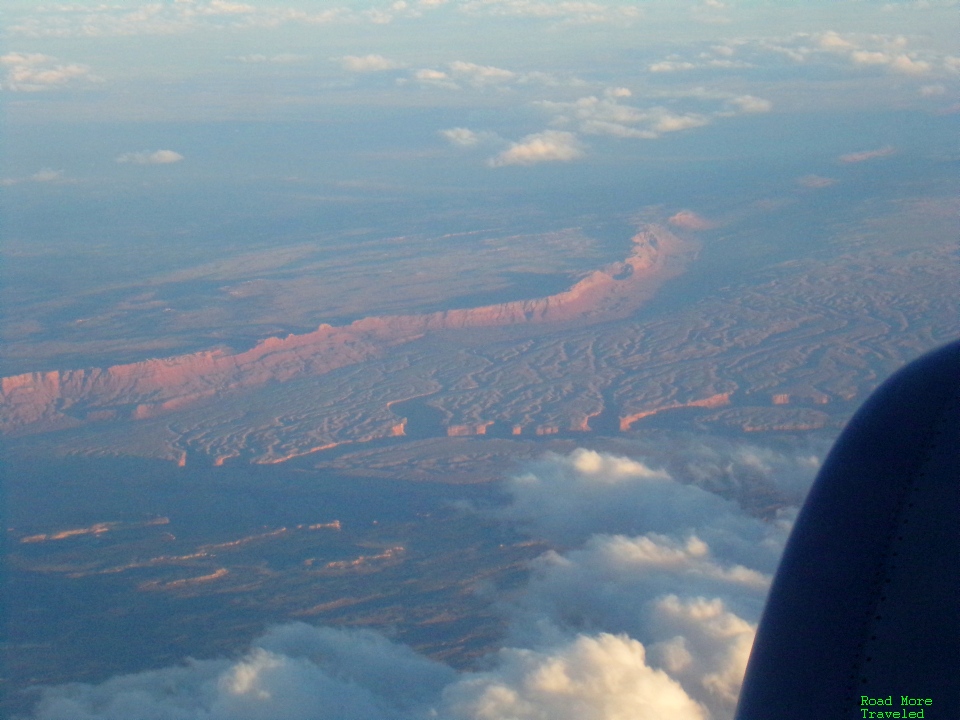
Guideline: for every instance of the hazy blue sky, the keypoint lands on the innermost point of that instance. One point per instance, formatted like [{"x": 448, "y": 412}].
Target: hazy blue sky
[{"x": 483, "y": 83}]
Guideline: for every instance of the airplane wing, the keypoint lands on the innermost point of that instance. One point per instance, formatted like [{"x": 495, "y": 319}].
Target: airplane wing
[{"x": 864, "y": 612}]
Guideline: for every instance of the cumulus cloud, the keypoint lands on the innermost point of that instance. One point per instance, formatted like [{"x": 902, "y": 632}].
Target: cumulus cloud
[
  {"x": 591, "y": 678},
  {"x": 864, "y": 155},
  {"x": 292, "y": 672},
  {"x": 481, "y": 74},
  {"x": 608, "y": 115},
  {"x": 147, "y": 157},
  {"x": 36, "y": 72},
  {"x": 649, "y": 612},
  {"x": 367, "y": 63},
  {"x": 546, "y": 146},
  {"x": 461, "y": 136},
  {"x": 435, "y": 78},
  {"x": 901, "y": 62}
]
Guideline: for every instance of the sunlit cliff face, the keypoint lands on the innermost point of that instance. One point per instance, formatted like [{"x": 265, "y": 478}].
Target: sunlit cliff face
[{"x": 45, "y": 401}]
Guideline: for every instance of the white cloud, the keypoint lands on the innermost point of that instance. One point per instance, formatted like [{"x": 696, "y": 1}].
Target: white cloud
[
  {"x": 44, "y": 175},
  {"x": 278, "y": 59},
  {"x": 905, "y": 64},
  {"x": 751, "y": 104},
  {"x": 435, "y": 78},
  {"x": 709, "y": 651},
  {"x": 865, "y": 57},
  {"x": 293, "y": 672},
  {"x": 47, "y": 175},
  {"x": 480, "y": 75},
  {"x": 546, "y": 146},
  {"x": 178, "y": 18},
  {"x": 146, "y": 157},
  {"x": 461, "y": 136},
  {"x": 816, "y": 181},
  {"x": 572, "y": 12},
  {"x": 666, "y": 121},
  {"x": 591, "y": 678},
  {"x": 608, "y": 116},
  {"x": 933, "y": 90},
  {"x": 367, "y": 63},
  {"x": 833, "y": 41},
  {"x": 689, "y": 220},
  {"x": 864, "y": 155},
  {"x": 35, "y": 72},
  {"x": 670, "y": 66}
]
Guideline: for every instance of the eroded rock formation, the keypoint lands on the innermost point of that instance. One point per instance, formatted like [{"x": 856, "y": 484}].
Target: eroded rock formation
[{"x": 37, "y": 402}]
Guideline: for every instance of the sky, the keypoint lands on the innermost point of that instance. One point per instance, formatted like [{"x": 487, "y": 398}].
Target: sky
[
  {"x": 480, "y": 85},
  {"x": 194, "y": 112}
]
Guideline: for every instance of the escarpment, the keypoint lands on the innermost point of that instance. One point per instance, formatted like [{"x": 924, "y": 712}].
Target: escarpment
[{"x": 42, "y": 401}]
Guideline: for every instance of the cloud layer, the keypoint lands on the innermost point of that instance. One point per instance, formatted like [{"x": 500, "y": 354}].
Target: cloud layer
[{"x": 645, "y": 609}]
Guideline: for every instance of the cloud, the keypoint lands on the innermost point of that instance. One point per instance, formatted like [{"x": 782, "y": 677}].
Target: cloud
[
  {"x": 546, "y": 146},
  {"x": 689, "y": 220},
  {"x": 292, "y": 672},
  {"x": 480, "y": 75},
  {"x": 671, "y": 66},
  {"x": 435, "y": 78},
  {"x": 278, "y": 59},
  {"x": 650, "y": 612},
  {"x": 864, "y": 155},
  {"x": 146, "y": 157},
  {"x": 901, "y": 62},
  {"x": 47, "y": 175},
  {"x": 816, "y": 181},
  {"x": 933, "y": 90},
  {"x": 177, "y": 18},
  {"x": 833, "y": 41},
  {"x": 567, "y": 12},
  {"x": 751, "y": 104},
  {"x": 591, "y": 678},
  {"x": 36, "y": 72},
  {"x": 44, "y": 175},
  {"x": 609, "y": 116},
  {"x": 367, "y": 63},
  {"x": 465, "y": 137}
]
